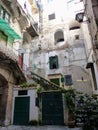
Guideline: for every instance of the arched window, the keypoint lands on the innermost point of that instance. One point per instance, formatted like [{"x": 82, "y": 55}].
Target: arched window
[{"x": 59, "y": 36}]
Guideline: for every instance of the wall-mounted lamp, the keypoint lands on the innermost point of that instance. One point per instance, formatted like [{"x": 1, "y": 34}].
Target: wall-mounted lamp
[{"x": 79, "y": 17}]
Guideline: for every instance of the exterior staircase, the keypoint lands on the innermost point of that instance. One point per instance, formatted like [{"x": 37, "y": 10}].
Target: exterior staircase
[{"x": 47, "y": 85}]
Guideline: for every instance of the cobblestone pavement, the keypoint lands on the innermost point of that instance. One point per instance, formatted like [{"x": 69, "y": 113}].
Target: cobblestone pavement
[{"x": 12, "y": 127}]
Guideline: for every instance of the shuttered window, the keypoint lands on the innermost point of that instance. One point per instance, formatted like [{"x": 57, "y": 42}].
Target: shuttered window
[
  {"x": 68, "y": 80},
  {"x": 53, "y": 62},
  {"x": 4, "y": 14}
]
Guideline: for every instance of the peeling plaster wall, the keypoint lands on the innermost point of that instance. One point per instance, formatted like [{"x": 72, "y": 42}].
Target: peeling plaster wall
[
  {"x": 32, "y": 93},
  {"x": 91, "y": 13},
  {"x": 9, "y": 77},
  {"x": 74, "y": 55},
  {"x": 72, "y": 52}
]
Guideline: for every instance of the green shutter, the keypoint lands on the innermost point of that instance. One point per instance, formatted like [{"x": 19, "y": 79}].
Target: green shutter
[
  {"x": 53, "y": 60},
  {"x": 62, "y": 79},
  {"x": 50, "y": 62},
  {"x": 57, "y": 61}
]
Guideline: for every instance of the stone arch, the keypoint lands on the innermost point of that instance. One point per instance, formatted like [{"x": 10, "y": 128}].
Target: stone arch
[
  {"x": 3, "y": 98},
  {"x": 59, "y": 36}
]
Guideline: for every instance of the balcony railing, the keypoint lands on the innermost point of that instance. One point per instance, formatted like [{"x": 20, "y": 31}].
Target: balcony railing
[
  {"x": 8, "y": 52},
  {"x": 33, "y": 28}
]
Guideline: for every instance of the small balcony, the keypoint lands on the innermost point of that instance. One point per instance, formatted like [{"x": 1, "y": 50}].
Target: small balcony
[
  {"x": 8, "y": 52},
  {"x": 33, "y": 28}
]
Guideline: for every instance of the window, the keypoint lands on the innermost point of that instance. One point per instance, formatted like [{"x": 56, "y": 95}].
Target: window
[
  {"x": 4, "y": 14},
  {"x": 68, "y": 80},
  {"x": 59, "y": 36},
  {"x": 55, "y": 81},
  {"x": 22, "y": 92},
  {"x": 76, "y": 37},
  {"x": 53, "y": 62},
  {"x": 51, "y": 16}
]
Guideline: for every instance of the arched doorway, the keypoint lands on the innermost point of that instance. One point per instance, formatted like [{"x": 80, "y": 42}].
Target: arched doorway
[{"x": 3, "y": 98}]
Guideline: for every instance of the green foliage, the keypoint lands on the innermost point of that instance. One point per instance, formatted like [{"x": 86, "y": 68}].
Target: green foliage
[
  {"x": 70, "y": 101},
  {"x": 87, "y": 111},
  {"x": 33, "y": 122},
  {"x": 25, "y": 85},
  {"x": 69, "y": 97},
  {"x": 40, "y": 89}
]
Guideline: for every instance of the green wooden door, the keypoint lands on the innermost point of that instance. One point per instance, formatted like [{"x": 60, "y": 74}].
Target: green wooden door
[
  {"x": 52, "y": 109},
  {"x": 21, "y": 111}
]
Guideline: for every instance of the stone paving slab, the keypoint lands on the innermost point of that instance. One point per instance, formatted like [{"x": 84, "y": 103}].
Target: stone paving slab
[{"x": 13, "y": 127}]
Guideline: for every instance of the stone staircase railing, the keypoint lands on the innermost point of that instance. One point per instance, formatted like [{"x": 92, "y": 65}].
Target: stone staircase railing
[{"x": 47, "y": 85}]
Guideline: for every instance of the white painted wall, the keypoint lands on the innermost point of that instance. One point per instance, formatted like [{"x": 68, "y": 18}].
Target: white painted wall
[
  {"x": 33, "y": 113},
  {"x": 33, "y": 109}
]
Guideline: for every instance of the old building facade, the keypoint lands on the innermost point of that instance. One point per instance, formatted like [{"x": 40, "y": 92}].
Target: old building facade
[
  {"x": 60, "y": 55},
  {"x": 53, "y": 44},
  {"x": 14, "y": 23},
  {"x": 89, "y": 16},
  {"x": 60, "y": 52}
]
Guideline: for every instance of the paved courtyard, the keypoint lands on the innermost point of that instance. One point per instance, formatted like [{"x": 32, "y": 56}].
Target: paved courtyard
[{"x": 12, "y": 127}]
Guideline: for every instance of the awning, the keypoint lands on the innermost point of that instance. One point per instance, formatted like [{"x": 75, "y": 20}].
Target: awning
[{"x": 5, "y": 27}]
